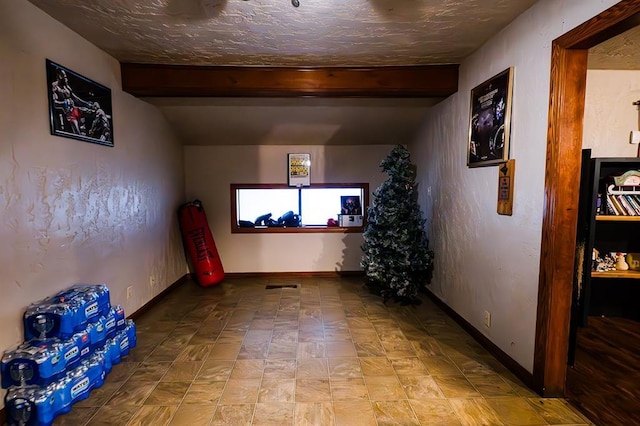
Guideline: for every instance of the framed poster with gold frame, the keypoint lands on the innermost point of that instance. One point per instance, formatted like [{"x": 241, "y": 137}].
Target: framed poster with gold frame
[{"x": 490, "y": 121}]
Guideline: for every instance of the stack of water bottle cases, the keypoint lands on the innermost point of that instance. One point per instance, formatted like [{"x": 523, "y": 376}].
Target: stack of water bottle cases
[{"x": 72, "y": 340}]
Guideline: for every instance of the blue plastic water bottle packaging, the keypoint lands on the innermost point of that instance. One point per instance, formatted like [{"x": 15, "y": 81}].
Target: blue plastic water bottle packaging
[
  {"x": 38, "y": 362},
  {"x": 97, "y": 333},
  {"x": 67, "y": 312},
  {"x": 32, "y": 405},
  {"x": 115, "y": 321}
]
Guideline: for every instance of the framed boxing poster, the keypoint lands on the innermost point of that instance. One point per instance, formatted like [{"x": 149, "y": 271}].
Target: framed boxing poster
[
  {"x": 490, "y": 121},
  {"x": 79, "y": 108}
]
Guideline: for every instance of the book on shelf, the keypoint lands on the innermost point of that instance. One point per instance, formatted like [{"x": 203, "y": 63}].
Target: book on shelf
[
  {"x": 611, "y": 209},
  {"x": 634, "y": 201},
  {"x": 616, "y": 208},
  {"x": 626, "y": 206}
]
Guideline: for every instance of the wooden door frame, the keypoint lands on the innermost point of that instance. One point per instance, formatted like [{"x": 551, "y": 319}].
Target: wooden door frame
[{"x": 569, "y": 54}]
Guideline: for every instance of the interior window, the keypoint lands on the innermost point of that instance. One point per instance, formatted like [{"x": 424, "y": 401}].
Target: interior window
[{"x": 280, "y": 208}]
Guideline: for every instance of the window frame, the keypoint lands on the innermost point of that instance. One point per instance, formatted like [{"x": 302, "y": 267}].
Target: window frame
[{"x": 305, "y": 229}]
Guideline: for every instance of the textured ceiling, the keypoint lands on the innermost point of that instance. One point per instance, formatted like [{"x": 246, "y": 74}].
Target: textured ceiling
[
  {"x": 318, "y": 33},
  {"x": 275, "y": 33}
]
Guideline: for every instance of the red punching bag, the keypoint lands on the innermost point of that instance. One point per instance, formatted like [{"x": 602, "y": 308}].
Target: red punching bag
[{"x": 199, "y": 244}]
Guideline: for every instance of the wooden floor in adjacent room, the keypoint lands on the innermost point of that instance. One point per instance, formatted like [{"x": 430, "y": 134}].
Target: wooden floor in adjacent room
[{"x": 605, "y": 380}]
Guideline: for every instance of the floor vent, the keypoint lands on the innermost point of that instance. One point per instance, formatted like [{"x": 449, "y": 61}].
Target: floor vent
[{"x": 274, "y": 286}]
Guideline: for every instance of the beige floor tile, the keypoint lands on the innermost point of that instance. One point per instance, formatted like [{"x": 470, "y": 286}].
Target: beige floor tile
[
  {"x": 440, "y": 365},
  {"x": 369, "y": 349},
  {"x": 274, "y": 414},
  {"x": 214, "y": 370},
  {"x": 240, "y": 391},
  {"x": 182, "y": 371},
  {"x": 434, "y": 412},
  {"x": 420, "y": 387},
  {"x": 515, "y": 411},
  {"x": 77, "y": 416},
  {"x": 456, "y": 387},
  {"x": 110, "y": 415},
  {"x": 409, "y": 366},
  {"x": 277, "y": 390},
  {"x": 392, "y": 413},
  {"x": 131, "y": 393},
  {"x": 193, "y": 415},
  {"x": 354, "y": 413},
  {"x": 280, "y": 369},
  {"x": 344, "y": 367},
  {"x": 556, "y": 411},
  {"x": 150, "y": 371},
  {"x": 491, "y": 385},
  {"x": 225, "y": 351},
  {"x": 231, "y": 415},
  {"x": 194, "y": 353},
  {"x": 201, "y": 393},
  {"x": 340, "y": 349},
  {"x": 248, "y": 369},
  {"x": 475, "y": 412},
  {"x": 312, "y": 368},
  {"x": 313, "y": 390},
  {"x": 348, "y": 389},
  {"x": 311, "y": 350},
  {"x": 152, "y": 415},
  {"x": 167, "y": 393},
  {"x": 384, "y": 388},
  {"x": 314, "y": 414},
  {"x": 377, "y": 366}
]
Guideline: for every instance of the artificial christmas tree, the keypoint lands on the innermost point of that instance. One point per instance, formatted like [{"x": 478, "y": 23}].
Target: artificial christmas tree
[{"x": 397, "y": 260}]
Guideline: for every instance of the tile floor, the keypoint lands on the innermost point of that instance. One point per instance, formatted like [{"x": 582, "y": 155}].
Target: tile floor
[{"x": 325, "y": 352}]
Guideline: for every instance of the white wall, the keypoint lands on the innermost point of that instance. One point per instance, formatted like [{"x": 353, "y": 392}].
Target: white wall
[
  {"x": 72, "y": 211},
  {"x": 484, "y": 261},
  {"x": 209, "y": 171},
  {"x": 609, "y": 113}
]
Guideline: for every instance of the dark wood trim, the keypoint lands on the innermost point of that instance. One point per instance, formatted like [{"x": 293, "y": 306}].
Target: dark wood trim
[
  {"x": 235, "y": 229},
  {"x": 151, "y": 303},
  {"x": 293, "y": 275},
  {"x": 519, "y": 371},
  {"x": 211, "y": 81},
  {"x": 564, "y": 145}
]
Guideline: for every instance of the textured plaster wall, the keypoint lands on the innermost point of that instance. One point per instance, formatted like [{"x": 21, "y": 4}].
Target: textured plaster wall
[
  {"x": 209, "y": 171},
  {"x": 609, "y": 115},
  {"x": 71, "y": 211},
  {"x": 484, "y": 261}
]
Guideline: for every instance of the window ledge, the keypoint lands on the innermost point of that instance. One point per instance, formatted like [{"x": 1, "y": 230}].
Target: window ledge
[{"x": 306, "y": 229}]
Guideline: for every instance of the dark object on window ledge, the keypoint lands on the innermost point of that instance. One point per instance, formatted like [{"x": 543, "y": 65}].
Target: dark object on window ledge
[
  {"x": 263, "y": 220},
  {"x": 245, "y": 224},
  {"x": 332, "y": 222},
  {"x": 289, "y": 219}
]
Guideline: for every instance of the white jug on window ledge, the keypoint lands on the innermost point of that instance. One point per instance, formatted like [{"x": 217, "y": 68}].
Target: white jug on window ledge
[{"x": 621, "y": 264}]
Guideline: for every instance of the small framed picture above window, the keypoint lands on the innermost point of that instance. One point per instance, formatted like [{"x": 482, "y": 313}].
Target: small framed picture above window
[{"x": 299, "y": 169}]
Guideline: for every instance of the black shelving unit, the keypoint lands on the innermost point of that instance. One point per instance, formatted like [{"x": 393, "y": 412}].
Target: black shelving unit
[{"x": 610, "y": 293}]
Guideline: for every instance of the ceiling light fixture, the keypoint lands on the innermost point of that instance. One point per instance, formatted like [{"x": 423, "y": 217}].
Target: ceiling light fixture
[{"x": 295, "y": 3}]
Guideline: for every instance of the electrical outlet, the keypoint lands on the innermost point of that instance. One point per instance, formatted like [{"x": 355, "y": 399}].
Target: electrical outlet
[
  {"x": 487, "y": 319},
  {"x": 152, "y": 281},
  {"x": 129, "y": 292}
]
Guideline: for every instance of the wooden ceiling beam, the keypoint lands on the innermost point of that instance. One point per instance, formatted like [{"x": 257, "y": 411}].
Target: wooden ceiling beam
[{"x": 148, "y": 80}]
